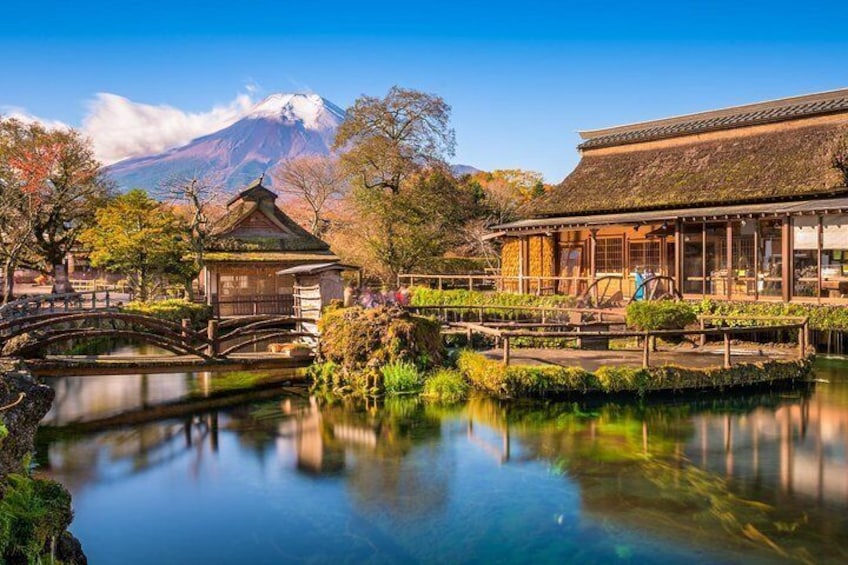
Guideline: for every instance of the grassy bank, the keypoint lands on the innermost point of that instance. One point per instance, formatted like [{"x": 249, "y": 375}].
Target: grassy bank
[{"x": 515, "y": 381}]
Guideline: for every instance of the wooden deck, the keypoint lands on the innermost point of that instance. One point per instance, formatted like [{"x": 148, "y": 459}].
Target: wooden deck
[
  {"x": 707, "y": 357},
  {"x": 90, "y": 365}
]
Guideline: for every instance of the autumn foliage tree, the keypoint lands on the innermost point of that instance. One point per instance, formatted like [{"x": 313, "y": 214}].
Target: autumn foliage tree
[
  {"x": 316, "y": 182},
  {"x": 403, "y": 196},
  {"x": 55, "y": 183},
  {"x": 143, "y": 239}
]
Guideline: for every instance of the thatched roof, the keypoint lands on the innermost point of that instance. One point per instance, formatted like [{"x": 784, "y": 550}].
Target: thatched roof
[
  {"x": 274, "y": 230},
  {"x": 777, "y": 164},
  {"x": 267, "y": 257},
  {"x": 760, "y": 113}
]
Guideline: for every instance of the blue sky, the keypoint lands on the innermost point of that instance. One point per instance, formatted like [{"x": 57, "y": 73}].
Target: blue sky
[{"x": 522, "y": 77}]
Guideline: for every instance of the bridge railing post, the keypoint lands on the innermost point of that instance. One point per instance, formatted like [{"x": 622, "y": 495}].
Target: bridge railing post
[
  {"x": 185, "y": 329},
  {"x": 107, "y": 298},
  {"x": 94, "y": 300},
  {"x": 212, "y": 334}
]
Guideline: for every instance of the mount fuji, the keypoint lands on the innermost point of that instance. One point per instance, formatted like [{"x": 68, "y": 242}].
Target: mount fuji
[{"x": 280, "y": 127}]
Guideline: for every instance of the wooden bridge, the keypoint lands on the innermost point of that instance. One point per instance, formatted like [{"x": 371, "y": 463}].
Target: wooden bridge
[{"x": 29, "y": 326}]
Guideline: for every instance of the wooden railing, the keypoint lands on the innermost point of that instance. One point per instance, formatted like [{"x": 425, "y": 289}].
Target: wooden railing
[
  {"x": 485, "y": 313},
  {"x": 48, "y": 303},
  {"x": 524, "y": 284},
  {"x": 505, "y": 333},
  {"x": 277, "y": 304}
]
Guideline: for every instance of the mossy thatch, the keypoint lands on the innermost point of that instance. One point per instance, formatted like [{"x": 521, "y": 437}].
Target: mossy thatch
[{"x": 781, "y": 164}]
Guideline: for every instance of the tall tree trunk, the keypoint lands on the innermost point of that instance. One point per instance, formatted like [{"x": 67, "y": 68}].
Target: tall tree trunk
[
  {"x": 61, "y": 283},
  {"x": 8, "y": 280}
]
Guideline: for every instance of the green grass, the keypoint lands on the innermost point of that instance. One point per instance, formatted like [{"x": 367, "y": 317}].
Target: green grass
[
  {"x": 400, "y": 377},
  {"x": 446, "y": 385}
]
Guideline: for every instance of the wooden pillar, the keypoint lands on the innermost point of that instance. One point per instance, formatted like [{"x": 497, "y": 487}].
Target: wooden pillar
[
  {"x": 678, "y": 254},
  {"x": 506, "y": 350},
  {"x": 756, "y": 269},
  {"x": 593, "y": 245},
  {"x": 726, "y": 349},
  {"x": 786, "y": 262},
  {"x": 704, "y": 258},
  {"x": 212, "y": 335},
  {"x": 729, "y": 260},
  {"x": 523, "y": 264},
  {"x": 646, "y": 350},
  {"x": 819, "y": 238}
]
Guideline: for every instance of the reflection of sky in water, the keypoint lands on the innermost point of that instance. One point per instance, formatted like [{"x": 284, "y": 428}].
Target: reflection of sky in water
[{"x": 295, "y": 479}]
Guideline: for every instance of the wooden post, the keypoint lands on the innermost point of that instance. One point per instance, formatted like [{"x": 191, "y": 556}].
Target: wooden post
[
  {"x": 704, "y": 258},
  {"x": 107, "y": 298},
  {"x": 819, "y": 239},
  {"x": 646, "y": 350},
  {"x": 470, "y": 283},
  {"x": 726, "y": 348},
  {"x": 802, "y": 340},
  {"x": 786, "y": 259},
  {"x": 756, "y": 269},
  {"x": 212, "y": 334},
  {"x": 439, "y": 281},
  {"x": 94, "y": 300},
  {"x": 806, "y": 335},
  {"x": 505, "y": 350},
  {"x": 729, "y": 260},
  {"x": 678, "y": 254},
  {"x": 702, "y": 340},
  {"x": 185, "y": 327}
]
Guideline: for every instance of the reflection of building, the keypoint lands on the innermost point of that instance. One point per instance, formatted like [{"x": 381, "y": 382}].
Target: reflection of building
[
  {"x": 799, "y": 449},
  {"x": 255, "y": 240},
  {"x": 744, "y": 202}
]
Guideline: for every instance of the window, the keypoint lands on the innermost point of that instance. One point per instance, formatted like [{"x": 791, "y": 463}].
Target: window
[
  {"x": 645, "y": 255},
  {"x": 609, "y": 255}
]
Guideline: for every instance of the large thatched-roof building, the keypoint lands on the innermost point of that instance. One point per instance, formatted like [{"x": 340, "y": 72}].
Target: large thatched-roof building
[
  {"x": 256, "y": 245},
  {"x": 747, "y": 202}
]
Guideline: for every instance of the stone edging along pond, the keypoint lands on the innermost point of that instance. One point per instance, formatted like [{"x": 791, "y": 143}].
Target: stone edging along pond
[{"x": 492, "y": 377}]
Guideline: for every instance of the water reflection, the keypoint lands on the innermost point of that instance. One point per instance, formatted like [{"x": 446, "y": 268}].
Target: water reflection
[{"x": 749, "y": 478}]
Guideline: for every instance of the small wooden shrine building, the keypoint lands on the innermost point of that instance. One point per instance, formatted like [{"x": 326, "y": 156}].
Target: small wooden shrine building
[
  {"x": 253, "y": 243},
  {"x": 749, "y": 202}
]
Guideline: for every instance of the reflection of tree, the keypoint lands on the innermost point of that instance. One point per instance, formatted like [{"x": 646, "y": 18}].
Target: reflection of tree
[{"x": 399, "y": 475}]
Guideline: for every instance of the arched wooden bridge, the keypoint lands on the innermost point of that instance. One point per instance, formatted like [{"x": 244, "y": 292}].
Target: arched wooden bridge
[{"x": 27, "y": 335}]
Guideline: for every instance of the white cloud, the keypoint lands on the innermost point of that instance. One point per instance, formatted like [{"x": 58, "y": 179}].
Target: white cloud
[
  {"x": 22, "y": 115},
  {"x": 121, "y": 128}
]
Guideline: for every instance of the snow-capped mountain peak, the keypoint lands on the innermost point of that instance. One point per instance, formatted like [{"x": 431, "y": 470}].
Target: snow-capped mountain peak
[{"x": 313, "y": 111}]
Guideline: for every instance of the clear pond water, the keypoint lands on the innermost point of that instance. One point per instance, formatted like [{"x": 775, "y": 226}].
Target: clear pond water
[{"x": 190, "y": 468}]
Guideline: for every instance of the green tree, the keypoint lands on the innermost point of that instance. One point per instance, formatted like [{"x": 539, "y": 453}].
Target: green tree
[
  {"x": 403, "y": 196},
  {"x": 137, "y": 236}
]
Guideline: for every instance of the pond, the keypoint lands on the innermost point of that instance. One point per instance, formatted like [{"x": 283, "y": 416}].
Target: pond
[{"x": 190, "y": 468}]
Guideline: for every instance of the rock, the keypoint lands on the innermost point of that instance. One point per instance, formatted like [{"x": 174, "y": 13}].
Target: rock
[
  {"x": 22, "y": 419},
  {"x": 69, "y": 550}
]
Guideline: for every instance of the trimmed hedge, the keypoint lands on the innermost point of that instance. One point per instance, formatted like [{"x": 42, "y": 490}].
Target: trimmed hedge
[
  {"x": 423, "y": 296},
  {"x": 491, "y": 376},
  {"x": 660, "y": 315},
  {"x": 172, "y": 309},
  {"x": 822, "y": 317}
]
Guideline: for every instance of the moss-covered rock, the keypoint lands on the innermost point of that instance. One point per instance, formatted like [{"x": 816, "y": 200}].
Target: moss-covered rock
[{"x": 359, "y": 342}]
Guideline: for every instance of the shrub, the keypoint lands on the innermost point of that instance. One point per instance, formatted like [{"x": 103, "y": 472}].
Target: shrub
[
  {"x": 660, "y": 315},
  {"x": 172, "y": 309},
  {"x": 423, "y": 296},
  {"x": 822, "y": 317},
  {"x": 361, "y": 341},
  {"x": 446, "y": 385},
  {"x": 484, "y": 374},
  {"x": 400, "y": 377},
  {"x": 33, "y": 512}
]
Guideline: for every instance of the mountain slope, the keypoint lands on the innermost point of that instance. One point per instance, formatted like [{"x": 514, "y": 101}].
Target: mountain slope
[{"x": 281, "y": 127}]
